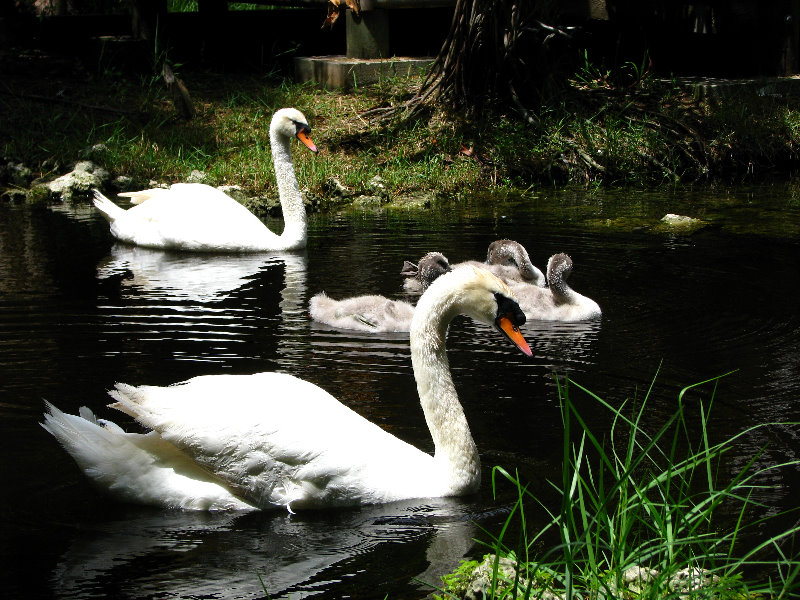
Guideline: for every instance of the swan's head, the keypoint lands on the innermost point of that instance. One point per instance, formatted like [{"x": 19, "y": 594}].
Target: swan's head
[
  {"x": 476, "y": 293},
  {"x": 290, "y": 123},
  {"x": 428, "y": 269}
]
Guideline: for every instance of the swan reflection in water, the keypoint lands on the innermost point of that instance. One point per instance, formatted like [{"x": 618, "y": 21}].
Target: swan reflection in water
[
  {"x": 143, "y": 553},
  {"x": 557, "y": 345},
  {"x": 204, "y": 301},
  {"x": 200, "y": 278},
  {"x": 561, "y": 343}
]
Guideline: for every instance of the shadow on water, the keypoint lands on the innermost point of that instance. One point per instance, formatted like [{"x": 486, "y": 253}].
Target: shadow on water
[
  {"x": 148, "y": 553},
  {"x": 79, "y": 313}
]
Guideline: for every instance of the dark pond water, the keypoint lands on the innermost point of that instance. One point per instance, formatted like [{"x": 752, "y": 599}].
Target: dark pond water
[{"x": 78, "y": 313}]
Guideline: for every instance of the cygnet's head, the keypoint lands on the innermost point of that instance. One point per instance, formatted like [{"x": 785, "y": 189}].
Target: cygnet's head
[
  {"x": 429, "y": 267},
  {"x": 514, "y": 254},
  {"x": 290, "y": 123}
]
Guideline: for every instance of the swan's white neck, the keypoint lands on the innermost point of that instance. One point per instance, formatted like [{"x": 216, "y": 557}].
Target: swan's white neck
[
  {"x": 294, "y": 212},
  {"x": 454, "y": 449}
]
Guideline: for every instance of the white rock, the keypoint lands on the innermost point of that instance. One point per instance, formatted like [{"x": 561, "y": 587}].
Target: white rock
[{"x": 673, "y": 219}]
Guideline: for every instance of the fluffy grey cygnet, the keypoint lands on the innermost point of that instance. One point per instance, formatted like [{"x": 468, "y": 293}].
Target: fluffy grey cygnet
[
  {"x": 506, "y": 259},
  {"x": 374, "y": 313},
  {"x": 557, "y": 302}
]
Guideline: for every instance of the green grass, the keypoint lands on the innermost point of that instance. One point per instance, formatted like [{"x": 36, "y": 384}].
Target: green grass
[
  {"x": 192, "y": 5},
  {"x": 655, "y": 133},
  {"x": 664, "y": 502}
]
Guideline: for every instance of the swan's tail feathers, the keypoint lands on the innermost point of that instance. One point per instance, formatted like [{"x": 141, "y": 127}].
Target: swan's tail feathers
[
  {"x": 67, "y": 428},
  {"x": 128, "y": 398},
  {"x": 106, "y": 207},
  {"x": 86, "y": 439},
  {"x": 138, "y": 468},
  {"x": 84, "y": 412}
]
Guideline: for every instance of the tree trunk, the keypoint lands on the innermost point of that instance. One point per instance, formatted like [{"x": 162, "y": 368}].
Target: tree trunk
[{"x": 498, "y": 53}]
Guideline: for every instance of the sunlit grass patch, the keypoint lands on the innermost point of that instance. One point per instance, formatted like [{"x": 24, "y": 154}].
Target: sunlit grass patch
[{"x": 655, "y": 134}]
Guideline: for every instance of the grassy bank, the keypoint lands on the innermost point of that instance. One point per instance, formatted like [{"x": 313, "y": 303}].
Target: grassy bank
[
  {"x": 643, "y": 514},
  {"x": 657, "y": 132}
]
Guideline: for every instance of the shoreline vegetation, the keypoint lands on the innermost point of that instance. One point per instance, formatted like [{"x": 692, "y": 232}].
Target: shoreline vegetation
[
  {"x": 657, "y": 132},
  {"x": 642, "y": 515}
]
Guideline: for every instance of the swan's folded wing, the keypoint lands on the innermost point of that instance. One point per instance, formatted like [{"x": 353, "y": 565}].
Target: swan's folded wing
[
  {"x": 271, "y": 437},
  {"x": 189, "y": 216}
]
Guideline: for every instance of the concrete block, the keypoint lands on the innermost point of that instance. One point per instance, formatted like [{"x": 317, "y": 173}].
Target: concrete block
[{"x": 345, "y": 73}]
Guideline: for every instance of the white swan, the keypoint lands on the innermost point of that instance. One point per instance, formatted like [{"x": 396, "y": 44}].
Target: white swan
[
  {"x": 373, "y": 313},
  {"x": 198, "y": 217},
  {"x": 507, "y": 259},
  {"x": 270, "y": 439},
  {"x": 558, "y": 302}
]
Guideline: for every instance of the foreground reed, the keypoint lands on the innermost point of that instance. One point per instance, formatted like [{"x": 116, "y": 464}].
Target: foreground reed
[{"x": 643, "y": 516}]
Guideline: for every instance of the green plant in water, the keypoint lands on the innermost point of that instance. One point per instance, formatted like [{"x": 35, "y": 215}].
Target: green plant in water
[{"x": 639, "y": 516}]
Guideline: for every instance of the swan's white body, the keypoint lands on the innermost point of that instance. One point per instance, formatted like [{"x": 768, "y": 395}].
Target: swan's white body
[
  {"x": 506, "y": 259},
  {"x": 373, "y": 313},
  {"x": 198, "y": 217},
  {"x": 558, "y": 302},
  {"x": 270, "y": 439}
]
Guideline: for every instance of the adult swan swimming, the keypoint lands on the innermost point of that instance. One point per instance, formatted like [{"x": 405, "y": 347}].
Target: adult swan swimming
[
  {"x": 198, "y": 217},
  {"x": 271, "y": 439}
]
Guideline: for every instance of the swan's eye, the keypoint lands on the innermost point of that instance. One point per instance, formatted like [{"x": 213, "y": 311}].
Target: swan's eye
[
  {"x": 301, "y": 128},
  {"x": 509, "y": 309}
]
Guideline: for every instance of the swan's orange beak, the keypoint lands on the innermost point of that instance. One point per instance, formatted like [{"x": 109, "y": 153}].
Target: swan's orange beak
[
  {"x": 513, "y": 333},
  {"x": 303, "y": 136}
]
